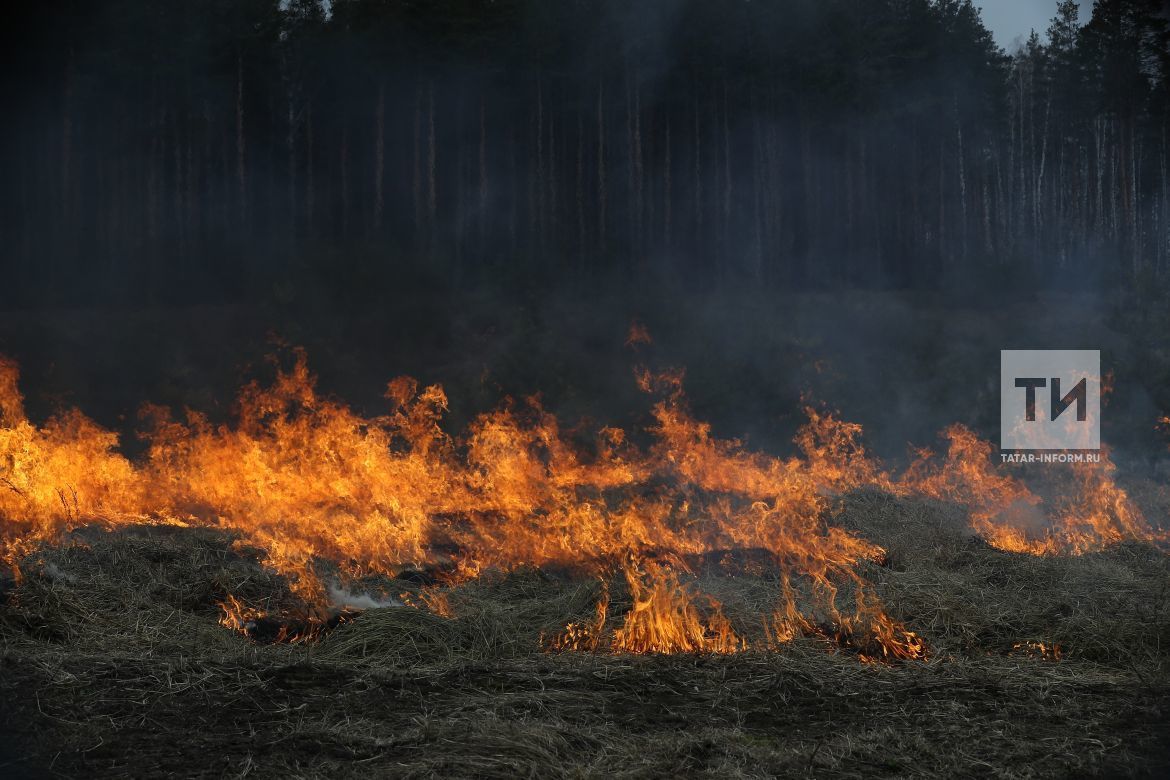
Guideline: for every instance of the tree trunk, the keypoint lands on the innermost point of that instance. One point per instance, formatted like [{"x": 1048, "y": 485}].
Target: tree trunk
[
  {"x": 483, "y": 174},
  {"x": 379, "y": 157},
  {"x": 241, "y": 170},
  {"x": 667, "y": 193},
  {"x": 432, "y": 167},
  {"x": 601, "y": 191}
]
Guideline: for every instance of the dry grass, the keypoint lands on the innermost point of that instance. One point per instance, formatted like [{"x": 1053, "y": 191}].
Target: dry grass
[{"x": 112, "y": 662}]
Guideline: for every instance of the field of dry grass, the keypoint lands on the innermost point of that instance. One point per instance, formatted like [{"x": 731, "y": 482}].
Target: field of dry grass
[{"x": 113, "y": 662}]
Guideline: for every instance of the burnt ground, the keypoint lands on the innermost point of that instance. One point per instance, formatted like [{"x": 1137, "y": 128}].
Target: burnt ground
[{"x": 113, "y": 663}]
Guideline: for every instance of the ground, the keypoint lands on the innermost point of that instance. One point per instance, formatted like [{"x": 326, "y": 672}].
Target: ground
[{"x": 113, "y": 662}]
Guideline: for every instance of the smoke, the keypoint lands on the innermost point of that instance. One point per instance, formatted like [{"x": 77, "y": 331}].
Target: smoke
[
  {"x": 377, "y": 147},
  {"x": 341, "y": 599},
  {"x": 1026, "y": 517},
  {"x": 54, "y": 572}
]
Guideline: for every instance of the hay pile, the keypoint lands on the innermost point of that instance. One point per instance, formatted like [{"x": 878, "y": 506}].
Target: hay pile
[{"x": 113, "y": 662}]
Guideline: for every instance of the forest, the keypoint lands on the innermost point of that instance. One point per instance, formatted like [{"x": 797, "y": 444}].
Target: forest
[{"x": 180, "y": 151}]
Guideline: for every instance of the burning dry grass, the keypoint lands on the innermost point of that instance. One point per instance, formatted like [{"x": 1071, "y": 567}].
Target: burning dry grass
[
  {"x": 304, "y": 478},
  {"x": 809, "y": 614},
  {"x": 113, "y": 661}
]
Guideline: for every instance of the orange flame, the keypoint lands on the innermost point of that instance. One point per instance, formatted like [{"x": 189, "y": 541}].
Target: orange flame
[
  {"x": 237, "y": 615},
  {"x": 1090, "y": 510},
  {"x": 665, "y": 619},
  {"x": 1046, "y": 651},
  {"x": 304, "y": 477}
]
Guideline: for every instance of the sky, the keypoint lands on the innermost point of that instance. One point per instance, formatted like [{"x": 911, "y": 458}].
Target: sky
[{"x": 1011, "y": 21}]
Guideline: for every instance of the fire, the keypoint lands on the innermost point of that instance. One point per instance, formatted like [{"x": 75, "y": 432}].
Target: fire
[
  {"x": 305, "y": 478},
  {"x": 250, "y": 620},
  {"x": 58, "y": 476},
  {"x": 585, "y": 635},
  {"x": 1088, "y": 509},
  {"x": 1046, "y": 651},
  {"x": 665, "y": 619},
  {"x": 237, "y": 615},
  {"x": 1098, "y": 511},
  {"x": 668, "y": 616},
  {"x": 997, "y": 502}
]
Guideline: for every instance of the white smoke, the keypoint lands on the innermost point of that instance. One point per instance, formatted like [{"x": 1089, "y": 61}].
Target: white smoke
[
  {"x": 340, "y": 598},
  {"x": 53, "y": 572}
]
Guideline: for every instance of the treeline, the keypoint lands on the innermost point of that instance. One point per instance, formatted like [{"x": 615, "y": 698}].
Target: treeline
[{"x": 176, "y": 149}]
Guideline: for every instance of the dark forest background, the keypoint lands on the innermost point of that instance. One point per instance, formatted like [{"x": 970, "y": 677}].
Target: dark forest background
[{"x": 221, "y": 149}]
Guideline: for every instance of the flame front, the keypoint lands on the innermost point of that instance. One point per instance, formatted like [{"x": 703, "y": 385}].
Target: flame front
[{"x": 304, "y": 477}]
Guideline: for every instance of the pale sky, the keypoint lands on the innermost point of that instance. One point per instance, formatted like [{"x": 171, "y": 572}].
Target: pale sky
[{"x": 1010, "y": 21}]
